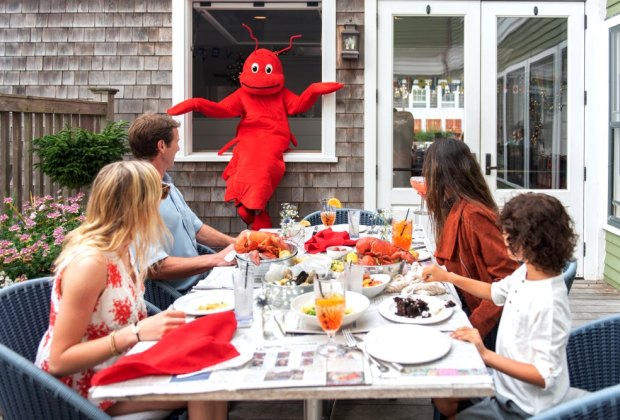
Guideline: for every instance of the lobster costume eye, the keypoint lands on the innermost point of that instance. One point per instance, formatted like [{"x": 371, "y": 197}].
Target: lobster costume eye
[
  {"x": 255, "y": 67},
  {"x": 268, "y": 69}
]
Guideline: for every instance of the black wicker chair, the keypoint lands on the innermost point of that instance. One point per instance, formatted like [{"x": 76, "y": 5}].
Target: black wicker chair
[
  {"x": 367, "y": 218},
  {"x": 27, "y": 392},
  {"x": 160, "y": 294},
  {"x": 593, "y": 365}
]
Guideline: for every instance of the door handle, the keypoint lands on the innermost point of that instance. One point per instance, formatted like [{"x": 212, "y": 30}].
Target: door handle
[{"x": 487, "y": 164}]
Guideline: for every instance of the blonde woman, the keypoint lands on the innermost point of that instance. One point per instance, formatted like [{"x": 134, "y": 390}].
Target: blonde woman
[{"x": 98, "y": 311}]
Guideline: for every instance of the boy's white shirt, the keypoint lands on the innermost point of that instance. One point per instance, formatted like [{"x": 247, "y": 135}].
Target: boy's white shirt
[{"x": 534, "y": 328}]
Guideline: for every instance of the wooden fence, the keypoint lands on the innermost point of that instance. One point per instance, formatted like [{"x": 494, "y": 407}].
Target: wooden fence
[{"x": 24, "y": 118}]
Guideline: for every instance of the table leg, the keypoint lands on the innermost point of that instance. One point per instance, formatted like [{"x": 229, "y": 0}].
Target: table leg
[{"x": 313, "y": 409}]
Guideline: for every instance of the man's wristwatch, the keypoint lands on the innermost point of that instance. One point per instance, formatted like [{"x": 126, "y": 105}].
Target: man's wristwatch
[{"x": 136, "y": 330}]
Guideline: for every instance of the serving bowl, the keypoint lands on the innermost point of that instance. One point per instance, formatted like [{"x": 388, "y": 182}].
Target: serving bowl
[
  {"x": 257, "y": 272},
  {"x": 336, "y": 252},
  {"x": 390, "y": 269},
  {"x": 372, "y": 291},
  {"x": 357, "y": 302}
]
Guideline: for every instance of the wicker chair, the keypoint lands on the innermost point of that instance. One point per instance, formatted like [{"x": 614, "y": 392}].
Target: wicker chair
[
  {"x": 593, "y": 365},
  {"x": 160, "y": 294},
  {"x": 593, "y": 361},
  {"x": 27, "y": 392},
  {"x": 600, "y": 405},
  {"x": 367, "y": 218},
  {"x": 569, "y": 274}
]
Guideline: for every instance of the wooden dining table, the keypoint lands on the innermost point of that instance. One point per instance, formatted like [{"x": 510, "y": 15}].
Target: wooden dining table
[{"x": 277, "y": 363}]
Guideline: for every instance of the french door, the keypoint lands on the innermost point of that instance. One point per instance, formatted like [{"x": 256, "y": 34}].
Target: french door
[
  {"x": 505, "y": 77},
  {"x": 429, "y": 84},
  {"x": 533, "y": 102}
]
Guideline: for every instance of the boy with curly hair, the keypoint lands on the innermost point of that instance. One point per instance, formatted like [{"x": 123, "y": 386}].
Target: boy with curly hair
[{"x": 529, "y": 365}]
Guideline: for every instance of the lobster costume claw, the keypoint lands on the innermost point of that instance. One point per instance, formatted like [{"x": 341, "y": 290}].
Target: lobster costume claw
[{"x": 263, "y": 134}]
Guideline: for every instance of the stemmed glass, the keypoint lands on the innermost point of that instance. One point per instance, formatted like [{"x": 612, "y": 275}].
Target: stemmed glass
[
  {"x": 418, "y": 184},
  {"x": 329, "y": 300},
  {"x": 328, "y": 213}
]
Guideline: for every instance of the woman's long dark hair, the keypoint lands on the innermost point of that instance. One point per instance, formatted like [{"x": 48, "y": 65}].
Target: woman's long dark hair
[{"x": 452, "y": 173}]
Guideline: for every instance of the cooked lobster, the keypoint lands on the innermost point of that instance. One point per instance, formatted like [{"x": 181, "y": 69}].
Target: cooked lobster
[
  {"x": 375, "y": 251},
  {"x": 259, "y": 245}
]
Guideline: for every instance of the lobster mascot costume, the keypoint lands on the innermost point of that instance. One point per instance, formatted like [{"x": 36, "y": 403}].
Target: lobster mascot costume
[{"x": 263, "y": 134}]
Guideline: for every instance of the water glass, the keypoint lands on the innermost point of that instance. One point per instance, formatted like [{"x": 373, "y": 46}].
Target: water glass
[
  {"x": 354, "y": 275},
  {"x": 243, "y": 289},
  {"x": 354, "y": 223}
]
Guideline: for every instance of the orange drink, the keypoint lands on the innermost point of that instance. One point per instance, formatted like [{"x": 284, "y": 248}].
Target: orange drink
[
  {"x": 419, "y": 186},
  {"x": 328, "y": 218},
  {"x": 328, "y": 213},
  {"x": 330, "y": 311},
  {"x": 401, "y": 233},
  {"x": 329, "y": 301}
]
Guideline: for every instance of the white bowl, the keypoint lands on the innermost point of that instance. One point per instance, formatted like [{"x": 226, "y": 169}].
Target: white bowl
[
  {"x": 391, "y": 269},
  {"x": 338, "y": 251},
  {"x": 357, "y": 302},
  {"x": 373, "y": 291}
]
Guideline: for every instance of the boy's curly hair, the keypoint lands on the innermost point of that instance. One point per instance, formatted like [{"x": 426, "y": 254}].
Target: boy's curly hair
[{"x": 538, "y": 225}]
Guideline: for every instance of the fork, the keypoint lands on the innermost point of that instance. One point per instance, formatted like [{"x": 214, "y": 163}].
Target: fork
[{"x": 354, "y": 344}]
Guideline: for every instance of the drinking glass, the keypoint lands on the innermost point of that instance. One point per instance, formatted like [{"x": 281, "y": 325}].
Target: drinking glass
[
  {"x": 328, "y": 213},
  {"x": 402, "y": 230},
  {"x": 418, "y": 184},
  {"x": 329, "y": 300}
]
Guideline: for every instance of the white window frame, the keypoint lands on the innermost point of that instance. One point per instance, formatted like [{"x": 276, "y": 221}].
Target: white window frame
[{"x": 182, "y": 84}]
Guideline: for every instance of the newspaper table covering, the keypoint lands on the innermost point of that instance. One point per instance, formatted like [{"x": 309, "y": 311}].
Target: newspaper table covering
[{"x": 294, "y": 365}]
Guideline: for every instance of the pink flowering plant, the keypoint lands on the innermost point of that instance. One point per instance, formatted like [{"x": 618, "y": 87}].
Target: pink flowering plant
[{"x": 31, "y": 240}]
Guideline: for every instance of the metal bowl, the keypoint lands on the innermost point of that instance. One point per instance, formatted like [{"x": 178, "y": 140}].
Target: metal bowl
[{"x": 257, "y": 272}]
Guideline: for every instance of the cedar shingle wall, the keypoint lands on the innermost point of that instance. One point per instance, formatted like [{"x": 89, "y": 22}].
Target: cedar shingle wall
[{"x": 60, "y": 48}]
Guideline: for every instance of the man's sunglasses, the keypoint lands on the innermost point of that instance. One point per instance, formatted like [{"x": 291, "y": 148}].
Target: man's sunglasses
[{"x": 165, "y": 190}]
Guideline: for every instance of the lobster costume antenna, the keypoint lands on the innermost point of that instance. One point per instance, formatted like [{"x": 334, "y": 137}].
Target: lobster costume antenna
[
  {"x": 290, "y": 44},
  {"x": 251, "y": 35}
]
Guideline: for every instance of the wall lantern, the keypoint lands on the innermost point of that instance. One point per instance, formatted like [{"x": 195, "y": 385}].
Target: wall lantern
[{"x": 350, "y": 42}]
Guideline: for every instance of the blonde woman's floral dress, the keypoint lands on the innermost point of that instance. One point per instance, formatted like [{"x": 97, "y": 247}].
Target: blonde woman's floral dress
[{"x": 120, "y": 304}]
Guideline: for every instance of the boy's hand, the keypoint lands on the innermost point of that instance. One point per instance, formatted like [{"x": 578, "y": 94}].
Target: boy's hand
[
  {"x": 471, "y": 335},
  {"x": 434, "y": 273}
]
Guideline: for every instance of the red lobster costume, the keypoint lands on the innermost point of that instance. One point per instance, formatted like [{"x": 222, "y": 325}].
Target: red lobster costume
[{"x": 263, "y": 134}]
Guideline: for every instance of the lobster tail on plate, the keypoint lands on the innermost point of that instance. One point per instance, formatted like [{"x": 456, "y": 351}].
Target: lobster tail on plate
[
  {"x": 375, "y": 251},
  {"x": 260, "y": 245}
]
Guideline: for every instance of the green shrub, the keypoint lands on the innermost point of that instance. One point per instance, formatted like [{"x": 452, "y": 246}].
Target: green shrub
[
  {"x": 427, "y": 136},
  {"x": 74, "y": 156}
]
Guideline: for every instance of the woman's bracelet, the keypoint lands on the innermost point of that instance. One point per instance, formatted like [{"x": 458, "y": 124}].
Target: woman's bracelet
[{"x": 113, "y": 349}]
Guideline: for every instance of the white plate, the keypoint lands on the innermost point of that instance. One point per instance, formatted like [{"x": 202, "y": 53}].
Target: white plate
[
  {"x": 340, "y": 228},
  {"x": 387, "y": 308},
  {"x": 246, "y": 351},
  {"x": 345, "y": 228},
  {"x": 190, "y": 302},
  {"x": 407, "y": 344},
  {"x": 423, "y": 255}
]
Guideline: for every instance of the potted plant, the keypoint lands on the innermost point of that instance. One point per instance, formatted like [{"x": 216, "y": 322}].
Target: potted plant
[{"x": 74, "y": 156}]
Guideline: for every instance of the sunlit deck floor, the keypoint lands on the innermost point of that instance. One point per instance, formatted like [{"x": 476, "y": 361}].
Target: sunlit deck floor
[{"x": 589, "y": 300}]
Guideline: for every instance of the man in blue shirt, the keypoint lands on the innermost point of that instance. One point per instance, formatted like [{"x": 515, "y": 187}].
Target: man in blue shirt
[{"x": 155, "y": 138}]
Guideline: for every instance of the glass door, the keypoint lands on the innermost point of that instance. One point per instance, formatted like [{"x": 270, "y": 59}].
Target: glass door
[
  {"x": 533, "y": 101},
  {"x": 429, "y": 87}
]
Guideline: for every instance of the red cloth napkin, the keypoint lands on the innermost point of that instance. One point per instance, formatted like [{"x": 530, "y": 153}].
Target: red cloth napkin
[
  {"x": 327, "y": 238},
  {"x": 191, "y": 347}
]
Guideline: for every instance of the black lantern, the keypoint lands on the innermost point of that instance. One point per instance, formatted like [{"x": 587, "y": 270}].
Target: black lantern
[{"x": 350, "y": 42}]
